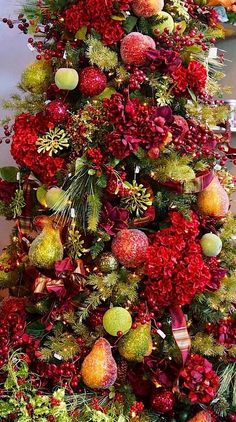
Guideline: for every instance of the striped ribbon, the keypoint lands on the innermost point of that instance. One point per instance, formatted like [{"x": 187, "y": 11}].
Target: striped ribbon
[
  {"x": 180, "y": 331},
  {"x": 199, "y": 184}
]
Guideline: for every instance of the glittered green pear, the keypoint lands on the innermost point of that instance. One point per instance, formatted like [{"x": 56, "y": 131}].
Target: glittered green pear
[
  {"x": 8, "y": 278},
  {"x": 37, "y": 76},
  {"x": 137, "y": 343},
  {"x": 47, "y": 248}
]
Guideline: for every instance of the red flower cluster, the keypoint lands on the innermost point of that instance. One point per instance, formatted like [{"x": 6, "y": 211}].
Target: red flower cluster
[
  {"x": 194, "y": 77},
  {"x": 7, "y": 191},
  {"x": 97, "y": 14},
  {"x": 199, "y": 380},
  {"x": 135, "y": 124},
  {"x": 174, "y": 264},
  {"x": 224, "y": 331},
  {"x": 27, "y": 129}
]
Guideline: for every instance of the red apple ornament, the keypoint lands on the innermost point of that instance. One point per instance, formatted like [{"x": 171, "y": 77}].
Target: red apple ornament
[
  {"x": 134, "y": 48},
  {"x": 129, "y": 247},
  {"x": 147, "y": 8}
]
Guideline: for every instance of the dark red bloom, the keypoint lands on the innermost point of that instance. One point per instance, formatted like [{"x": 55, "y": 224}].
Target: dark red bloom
[
  {"x": 200, "y": 381},
  {"x": 7, "y": 191},
  {"x": 113, "y": 218},
  {"x": 121, "y": 146}
]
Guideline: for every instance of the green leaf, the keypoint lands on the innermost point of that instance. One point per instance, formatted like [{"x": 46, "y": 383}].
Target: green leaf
[
  {"x": 9, "y": 174},
  {"x": 36, "y": 329},
  {"x": 192, "y": 95},
  {"x": 129, "y": 24}
]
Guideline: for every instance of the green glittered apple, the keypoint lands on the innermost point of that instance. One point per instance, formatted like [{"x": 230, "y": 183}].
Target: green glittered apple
[
  {"x": 211, "y": 244},
  {"x": 163, "y": 21},
  {"x": 66, "y": 78},
  {"x": 55, "y": 197},
  {"x": 117, "y": 321}
]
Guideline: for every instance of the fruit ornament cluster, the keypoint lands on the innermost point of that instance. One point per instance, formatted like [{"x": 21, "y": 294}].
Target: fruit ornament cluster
[{"x": 121, "y": 268}]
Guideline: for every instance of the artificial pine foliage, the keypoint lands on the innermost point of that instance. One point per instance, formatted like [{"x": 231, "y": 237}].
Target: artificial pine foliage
[{"x": 119, "y": 176}]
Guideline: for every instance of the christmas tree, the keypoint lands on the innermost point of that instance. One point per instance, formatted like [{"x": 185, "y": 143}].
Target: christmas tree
[{"x": 121, "y": 267}]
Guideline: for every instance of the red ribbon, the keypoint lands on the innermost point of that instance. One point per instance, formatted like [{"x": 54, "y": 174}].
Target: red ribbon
[
  {"x": 180, "y": 331},
  {"x": 47, "y": 285}
]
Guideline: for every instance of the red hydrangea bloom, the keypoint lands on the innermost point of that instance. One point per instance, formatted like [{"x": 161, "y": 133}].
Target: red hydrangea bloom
[
  {"x": 174, "y": 264},
  {"x": 27, "y": 129},
  {"x": 180, "y": 79},
  {"x": 97, "y": 14},
  {"x": 200, "y": 381},
  {"x": 196, "y": 76}
]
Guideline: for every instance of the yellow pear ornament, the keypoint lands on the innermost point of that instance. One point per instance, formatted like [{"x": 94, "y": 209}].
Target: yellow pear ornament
[
  {"x": 213, "y": 200},
  {"x": 47, "y": 247}
]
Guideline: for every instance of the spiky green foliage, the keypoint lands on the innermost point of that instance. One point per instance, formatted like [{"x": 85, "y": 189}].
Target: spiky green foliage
[
  {"x": 83, "y": 194},
  {"x": 31, "y": 103},
  {"x": 175, "y": 168},
  {"x": 17, "y": 203},
  {"x": 228, "y": 237},
  {"x": 61, "y": 345},
  {"x": 54, "y": 141},
  {"x": 211, "y": 307},
  {"x": 137, "y": 200},
  {"x": 75, "y": 243},
  {"x": 100, "y": 55},
  {"x": 165, "y": 200}
]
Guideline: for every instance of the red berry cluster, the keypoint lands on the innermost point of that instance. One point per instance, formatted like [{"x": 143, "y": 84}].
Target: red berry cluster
[
  {"x": 7, "y": 133},
  {"x": 11, "y": 332},
  {"x": 136, "y": 407},
  {"x": 177, "y": 41},
  {"x": 65, "y": 373},
  {"x": 200, "y": 141},
  {"x": 23, "y": 25},
  {"x": 94, "y": 155},
  {"x": 142, "y": 315},
  {"x": 137, "y": 77}
]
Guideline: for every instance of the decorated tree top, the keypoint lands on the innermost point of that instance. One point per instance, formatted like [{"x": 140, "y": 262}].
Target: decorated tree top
[{"x": 123, "y": 256}]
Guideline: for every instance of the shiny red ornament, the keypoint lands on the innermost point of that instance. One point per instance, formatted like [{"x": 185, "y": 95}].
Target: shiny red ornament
[
  {"x": 92, "y": 81},
  {"x": 129, "y": 247},
  {"x": 57, "y": 111},
  {"x": 162, "y": 401}
]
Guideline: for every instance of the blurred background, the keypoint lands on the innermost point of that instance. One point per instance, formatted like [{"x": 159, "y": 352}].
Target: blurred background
[{"x": 15, "y": 55}]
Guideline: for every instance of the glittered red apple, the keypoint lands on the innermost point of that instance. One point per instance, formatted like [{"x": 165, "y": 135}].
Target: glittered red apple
[
  {"x": 147, "y": 8},
  {"x": 134, "y": 48},
  {"x": 130, "y": 247}
]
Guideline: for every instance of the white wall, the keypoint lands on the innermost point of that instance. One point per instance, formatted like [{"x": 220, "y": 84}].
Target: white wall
[{"x": 14, "y": 56}]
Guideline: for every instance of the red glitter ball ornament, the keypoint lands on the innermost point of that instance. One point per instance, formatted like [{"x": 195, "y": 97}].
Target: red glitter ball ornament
[
  {"x": 162, "y": 401},
  {"x": 129, "y": 247},
  {"x": 134, "y": 48},
  {"x": 57, "y": 111},
  {"x": 92, "y": 81}
]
